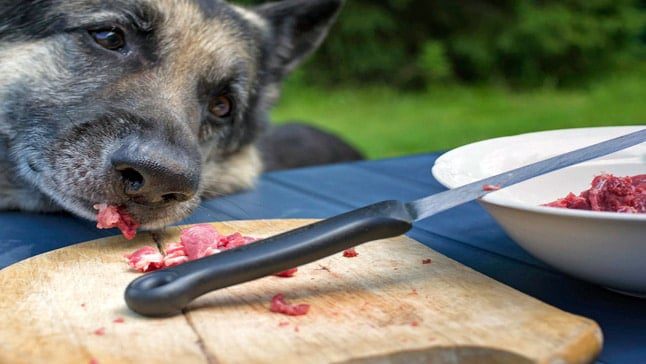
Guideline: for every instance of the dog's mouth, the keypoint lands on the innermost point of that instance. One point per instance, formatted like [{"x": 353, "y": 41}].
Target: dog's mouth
[
  {"x": 158, "y": 182},
  {"x": 118, "y": 159},
  {"x": 79, "y": 196},
  {"x": 147, "y": 217}
]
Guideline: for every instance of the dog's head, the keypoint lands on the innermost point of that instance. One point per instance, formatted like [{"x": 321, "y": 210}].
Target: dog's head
[{"x": 149, "y": 104}]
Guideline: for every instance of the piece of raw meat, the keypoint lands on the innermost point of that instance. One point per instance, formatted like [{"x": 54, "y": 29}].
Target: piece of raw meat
[
  {"x": 490, "y": 187},
  {"x": 350, "y": 253},
  {"x": 145, "y": 259},
  {"x": 110, "y": 216},
  {"x": 195, "y": 242},
  {"x": 279, "y": 305},
  {"x": 198, "y": 240},
  {"x": 287, "y": 273},
  {"x": 608, "y": 193}
]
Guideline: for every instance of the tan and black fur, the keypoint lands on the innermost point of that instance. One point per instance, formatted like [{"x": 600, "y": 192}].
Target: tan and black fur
[{"x": 67, "y": 105}]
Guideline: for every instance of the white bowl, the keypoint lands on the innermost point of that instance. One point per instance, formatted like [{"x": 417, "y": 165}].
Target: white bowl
[{"x": 606, "y": 248}]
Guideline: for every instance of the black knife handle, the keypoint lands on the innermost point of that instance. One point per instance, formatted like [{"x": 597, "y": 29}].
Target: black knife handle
[{"x": 166, "y": 292}]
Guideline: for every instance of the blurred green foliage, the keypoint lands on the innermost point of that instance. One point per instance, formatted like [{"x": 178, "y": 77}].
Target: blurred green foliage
[
  {"x": 384, "y": 122},
  {"x": 415, "y": 43}
]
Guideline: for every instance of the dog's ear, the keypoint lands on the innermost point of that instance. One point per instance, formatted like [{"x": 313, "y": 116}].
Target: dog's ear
[{"x": 297, "y": 28}]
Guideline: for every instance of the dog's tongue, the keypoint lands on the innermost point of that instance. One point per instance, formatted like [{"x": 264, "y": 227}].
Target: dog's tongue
[{"x": 110, "y": 216}]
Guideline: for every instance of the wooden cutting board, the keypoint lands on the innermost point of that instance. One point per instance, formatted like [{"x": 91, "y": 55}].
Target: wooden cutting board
[{"x": 383, "y": 306}]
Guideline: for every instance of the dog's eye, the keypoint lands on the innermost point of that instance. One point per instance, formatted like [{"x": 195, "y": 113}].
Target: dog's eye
[
  {"x": 221, "y": 106},
  {"x": 112, "y": 39}
]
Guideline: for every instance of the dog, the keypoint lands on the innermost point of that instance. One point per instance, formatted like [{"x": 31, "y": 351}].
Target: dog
[{"x": 149, "y": 104}]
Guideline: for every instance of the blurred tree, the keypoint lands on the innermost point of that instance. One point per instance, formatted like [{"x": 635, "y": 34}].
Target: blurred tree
[
  {"x": 433, "y": 62},
  {"x": 413, "y": 43}
]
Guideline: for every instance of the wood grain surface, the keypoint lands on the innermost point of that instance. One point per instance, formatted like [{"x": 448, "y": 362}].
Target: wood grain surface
[{"x": 383, "y": 306}]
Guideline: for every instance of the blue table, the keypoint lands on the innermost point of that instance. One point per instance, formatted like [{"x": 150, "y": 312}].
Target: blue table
[{"x": 467, "y": 234}]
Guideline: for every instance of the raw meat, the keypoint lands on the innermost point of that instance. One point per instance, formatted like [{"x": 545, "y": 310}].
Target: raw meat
[
  {"x": 110, "y": 216},
  {"x": 233, "y": 241},
  {"x": 119, "y": 320},
  {"x": 490, "y": 187},
  {"x": 287, "y": 273},
  {"x": 609, "y": 193},
  {"x": 100, "y": 331},
  {"x": 199, "y": 241},
  {"x": 426, "y": 261},
  {"x": 145, "y": 259},
  {"x": 175, "y": 255},
  {"x": 279, "y": 305},
  {"x": 195, "y": 242},
  {"x": 350, "y": 253}
]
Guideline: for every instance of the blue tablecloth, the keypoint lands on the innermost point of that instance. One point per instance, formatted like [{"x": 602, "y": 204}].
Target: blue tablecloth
[{"x": 467, "y": 234}]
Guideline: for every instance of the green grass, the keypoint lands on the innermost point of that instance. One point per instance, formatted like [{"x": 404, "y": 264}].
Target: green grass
[{"x": 384, "y": 123}]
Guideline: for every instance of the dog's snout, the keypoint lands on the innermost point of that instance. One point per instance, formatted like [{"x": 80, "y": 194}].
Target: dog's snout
[{"x": 155, "y": 175}]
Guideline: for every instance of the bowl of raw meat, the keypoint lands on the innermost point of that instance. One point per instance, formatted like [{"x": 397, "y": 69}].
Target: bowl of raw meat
[{"x": 588, "y": 220}]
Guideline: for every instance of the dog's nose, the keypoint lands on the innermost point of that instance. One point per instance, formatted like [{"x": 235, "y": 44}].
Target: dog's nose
[{"x": 156, "y": 175}]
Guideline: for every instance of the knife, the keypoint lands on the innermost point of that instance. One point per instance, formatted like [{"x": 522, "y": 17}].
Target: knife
[{"x": 166, "y": 292}]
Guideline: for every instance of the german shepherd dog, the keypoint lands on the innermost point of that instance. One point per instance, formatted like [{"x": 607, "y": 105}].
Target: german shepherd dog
[{"x": 146, "y": 104}]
